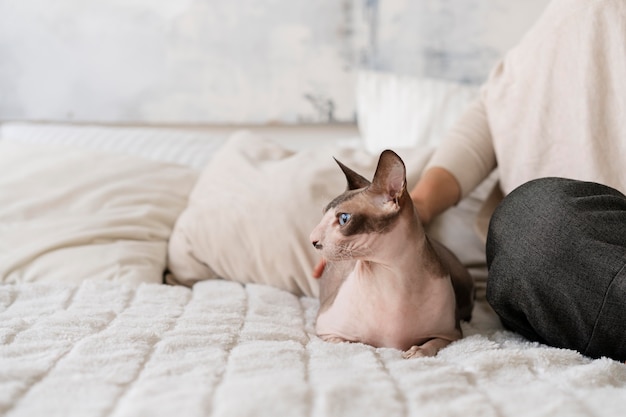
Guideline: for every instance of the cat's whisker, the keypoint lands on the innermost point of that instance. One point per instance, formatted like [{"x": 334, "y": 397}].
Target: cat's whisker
[{"x": 346, "y": 252}]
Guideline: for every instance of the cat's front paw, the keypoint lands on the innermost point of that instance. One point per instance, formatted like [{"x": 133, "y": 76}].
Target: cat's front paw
[
  {"x": 429, "y": 348},
  {"x": 414, "y": 352},
  {"x": 333, "y": 339}
]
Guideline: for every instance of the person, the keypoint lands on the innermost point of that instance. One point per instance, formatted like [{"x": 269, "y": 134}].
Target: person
[{"x": 551, "y": 118}]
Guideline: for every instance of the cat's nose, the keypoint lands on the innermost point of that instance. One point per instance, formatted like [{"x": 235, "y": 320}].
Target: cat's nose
[{"x": 317, "y": 244}]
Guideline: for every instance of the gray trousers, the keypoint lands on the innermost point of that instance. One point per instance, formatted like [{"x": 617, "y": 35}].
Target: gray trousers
[{"x": 556, "y": 253}]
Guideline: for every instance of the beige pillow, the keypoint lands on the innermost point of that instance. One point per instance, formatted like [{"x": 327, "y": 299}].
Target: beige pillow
[
  {"x": 254, "y": 206},
  {"x": 71, "y": 215}
]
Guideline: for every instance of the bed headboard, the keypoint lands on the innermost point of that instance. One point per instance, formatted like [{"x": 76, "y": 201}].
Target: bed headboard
[{"x": 235, "y": 61}]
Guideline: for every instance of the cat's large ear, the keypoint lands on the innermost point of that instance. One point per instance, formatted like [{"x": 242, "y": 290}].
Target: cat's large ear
[
  {"x": 390, "y": 177},
  {"x": 355, "y": 181}
]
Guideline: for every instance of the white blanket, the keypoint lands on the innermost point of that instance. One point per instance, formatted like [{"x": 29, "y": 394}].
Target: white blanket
[
  {"x": 83, "y": 332},
  {"x": 222, "y": 349}
]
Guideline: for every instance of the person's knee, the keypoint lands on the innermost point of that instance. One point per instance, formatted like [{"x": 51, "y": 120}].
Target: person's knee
[
  {"x": 526, "y": 238},
  {"x": 554, "y": 248},
  {"x": 545, "y": 215},
  {"x": 529, "y": 216},
  {"x": 522, "y": 230}
]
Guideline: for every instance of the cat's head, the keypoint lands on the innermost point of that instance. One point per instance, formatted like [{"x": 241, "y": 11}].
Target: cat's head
[{"x": 354, "y": 219}]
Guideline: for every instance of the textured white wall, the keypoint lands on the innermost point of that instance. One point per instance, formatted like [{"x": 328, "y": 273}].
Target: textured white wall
[
  {"x": 234, "y": 61},
  {"x": 457, "y": 40},
  {"x": 199, "y": 61}
]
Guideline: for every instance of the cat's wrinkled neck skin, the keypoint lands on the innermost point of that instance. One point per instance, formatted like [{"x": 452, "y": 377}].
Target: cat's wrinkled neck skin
[{"x": 399, "y": 253}]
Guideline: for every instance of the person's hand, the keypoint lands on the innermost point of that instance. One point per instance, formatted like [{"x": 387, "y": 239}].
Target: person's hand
[
  {"x": 435, "y": 192},
  {"x": 422, "y": 209},
  {"x": 319, "y": 268}
]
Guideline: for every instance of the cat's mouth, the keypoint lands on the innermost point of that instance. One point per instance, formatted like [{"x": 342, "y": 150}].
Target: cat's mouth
[{"x": 337, "y": 253}]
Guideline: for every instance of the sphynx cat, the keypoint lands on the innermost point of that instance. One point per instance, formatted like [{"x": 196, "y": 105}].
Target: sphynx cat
[{"x": 386, "y": 283}]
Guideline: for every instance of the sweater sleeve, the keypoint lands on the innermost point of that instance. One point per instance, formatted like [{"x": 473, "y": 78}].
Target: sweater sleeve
[{"x": 467, "y": 150}]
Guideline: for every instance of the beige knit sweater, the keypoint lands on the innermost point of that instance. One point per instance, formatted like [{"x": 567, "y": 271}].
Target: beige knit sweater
[{"x": 554, "y": 106}]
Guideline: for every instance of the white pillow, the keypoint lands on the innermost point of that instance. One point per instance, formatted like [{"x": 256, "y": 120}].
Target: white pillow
[
  {"x": 401, "y": 111},
  {"x": 172, "y": 145},
  {"x": 68, "y": 214}
]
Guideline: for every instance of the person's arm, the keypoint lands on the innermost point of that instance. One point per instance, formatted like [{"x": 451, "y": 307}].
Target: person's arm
[
  {"x": 461, "y": 162},
  {"x": 436, "y": 191}
]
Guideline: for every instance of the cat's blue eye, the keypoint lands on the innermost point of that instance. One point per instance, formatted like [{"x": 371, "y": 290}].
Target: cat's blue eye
[{"x": 343, "y": 218}]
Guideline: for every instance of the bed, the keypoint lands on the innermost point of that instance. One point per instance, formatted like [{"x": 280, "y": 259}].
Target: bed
[{"x": 159, "y": 272}]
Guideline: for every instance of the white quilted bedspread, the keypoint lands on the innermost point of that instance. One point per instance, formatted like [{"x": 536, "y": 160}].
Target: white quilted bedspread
[{"x": 221, "y": 349}]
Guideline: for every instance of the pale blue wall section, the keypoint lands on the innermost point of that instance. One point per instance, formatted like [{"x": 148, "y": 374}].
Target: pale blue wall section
[
  {"x": 458, "y": 40},
  {"x": 235, "y": 61}
]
